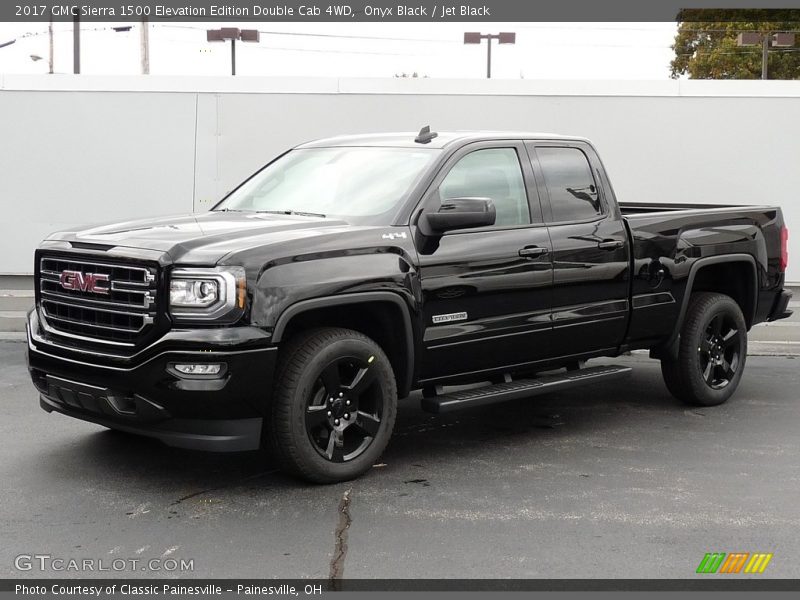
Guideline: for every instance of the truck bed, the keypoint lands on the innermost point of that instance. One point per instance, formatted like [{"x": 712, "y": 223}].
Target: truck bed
[{"x": 640, "y": 208}]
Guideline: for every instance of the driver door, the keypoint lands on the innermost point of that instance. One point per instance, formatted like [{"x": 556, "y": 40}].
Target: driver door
[{"x": 486, "y": 291}]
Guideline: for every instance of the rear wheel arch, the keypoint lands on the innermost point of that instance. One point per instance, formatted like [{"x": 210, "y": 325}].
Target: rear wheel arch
[
  {"x": 735, "y": 278},
  {"x": 734, "y": 275},
  {"x": 382, "y": 316}
]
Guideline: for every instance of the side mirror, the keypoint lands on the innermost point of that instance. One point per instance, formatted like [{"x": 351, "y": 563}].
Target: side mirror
[{"x": 457, "y": 213}]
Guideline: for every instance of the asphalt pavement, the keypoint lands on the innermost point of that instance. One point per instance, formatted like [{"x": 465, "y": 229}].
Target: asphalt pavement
[{"x": 616, "y": 480}]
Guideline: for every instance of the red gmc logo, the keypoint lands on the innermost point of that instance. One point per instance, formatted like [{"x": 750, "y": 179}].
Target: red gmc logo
[{"x": 97, "y": 283}]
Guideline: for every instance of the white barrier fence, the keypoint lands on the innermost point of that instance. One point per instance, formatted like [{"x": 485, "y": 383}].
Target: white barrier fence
[{"x": 83, "y": 149}]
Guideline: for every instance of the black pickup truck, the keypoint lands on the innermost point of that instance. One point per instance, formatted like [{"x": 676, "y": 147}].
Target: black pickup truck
[{"x": 349, "y": 272}]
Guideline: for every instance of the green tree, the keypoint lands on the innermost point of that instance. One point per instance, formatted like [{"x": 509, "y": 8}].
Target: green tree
[{"x": 705, "y": 45}]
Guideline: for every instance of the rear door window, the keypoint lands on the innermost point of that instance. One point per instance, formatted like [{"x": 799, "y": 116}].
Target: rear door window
[{"x": 572, "y": 188}]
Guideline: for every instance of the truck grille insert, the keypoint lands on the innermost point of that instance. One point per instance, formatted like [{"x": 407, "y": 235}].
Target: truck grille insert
[{"x": 120, "y": 311}]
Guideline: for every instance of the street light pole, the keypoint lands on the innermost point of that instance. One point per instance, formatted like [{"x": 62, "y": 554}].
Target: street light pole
[
  {"x": 503, "y": 38},
  {"x": 488, "y": 58},
  {"x": 233, "y": 34},
  {"x": 754, "y": 38}
]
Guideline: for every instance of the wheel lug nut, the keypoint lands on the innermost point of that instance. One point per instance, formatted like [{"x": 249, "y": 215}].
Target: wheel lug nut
[
  {"x": 346, "y": 415},
  {"x": 330, "y": 414},
  {"x": 336, "y": 422},
  {"x": 340, "y": 394},
  {"x": 347, "y": 402}
]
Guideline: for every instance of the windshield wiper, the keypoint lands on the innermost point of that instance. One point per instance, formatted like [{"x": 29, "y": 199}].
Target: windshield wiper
[{"x": 292, "y": 212}]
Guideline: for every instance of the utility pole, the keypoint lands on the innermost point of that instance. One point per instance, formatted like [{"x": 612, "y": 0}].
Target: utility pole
[
  {"x": 50, "y": 40},
  {"x": 503, "y": 38},
  {"x": 764, "y": 55},
  {"x": 76, "y": 45},
  {"x": 145, "y": 43}
]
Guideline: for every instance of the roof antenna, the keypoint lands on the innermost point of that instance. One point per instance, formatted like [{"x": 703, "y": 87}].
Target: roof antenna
[{"x": 425, "y": 135}]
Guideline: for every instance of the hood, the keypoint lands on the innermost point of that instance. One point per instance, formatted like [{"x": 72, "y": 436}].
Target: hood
[{"x": 206, "y": 238}]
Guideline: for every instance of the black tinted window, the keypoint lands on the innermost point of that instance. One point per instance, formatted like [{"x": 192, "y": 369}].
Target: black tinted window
[
  {"x": 493, "y": 173},
  {"x": 568, "y": 177}
]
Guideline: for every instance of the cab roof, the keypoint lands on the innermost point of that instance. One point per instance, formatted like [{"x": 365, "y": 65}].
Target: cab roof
[{"x": 442, "y": 140}]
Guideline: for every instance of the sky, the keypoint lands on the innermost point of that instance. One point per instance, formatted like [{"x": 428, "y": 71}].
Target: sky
[{"x": 542, "y": 50}]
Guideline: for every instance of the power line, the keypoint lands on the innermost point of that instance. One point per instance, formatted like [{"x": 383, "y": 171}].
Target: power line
[
  {"x": 425, "y": 40},
  {"x": 327, "y": 51},
  {"x": 32, "y": 34},
  {"x": 740, "y": 52},
  {"x": 333, "y": 35},
  {"x": 290, "y": 49},
  {"x": 381, "y": 53},
  {"x": 573, "y": 27}
]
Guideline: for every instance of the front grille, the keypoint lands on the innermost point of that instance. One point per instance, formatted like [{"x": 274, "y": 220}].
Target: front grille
[{"x": 121, "y": 317}]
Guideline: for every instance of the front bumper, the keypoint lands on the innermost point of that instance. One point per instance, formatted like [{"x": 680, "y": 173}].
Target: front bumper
[{"x": 144, "y": 395}]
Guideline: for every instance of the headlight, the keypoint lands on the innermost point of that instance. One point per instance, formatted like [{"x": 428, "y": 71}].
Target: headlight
[
  {"x": 193, "y": 292},
  {"x": 207, "y": 294}
]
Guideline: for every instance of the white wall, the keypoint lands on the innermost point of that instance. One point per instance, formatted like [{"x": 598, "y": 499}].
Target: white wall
[{"x": 83, "y": 149}]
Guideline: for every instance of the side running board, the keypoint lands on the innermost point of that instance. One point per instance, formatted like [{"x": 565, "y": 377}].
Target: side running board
[{"x": 522, "y": 388}]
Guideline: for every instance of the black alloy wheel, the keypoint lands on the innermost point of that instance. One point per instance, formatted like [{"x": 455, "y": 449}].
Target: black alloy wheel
[
  {"x": 333, "y": 405},
  {"x": 345, "y": 409},
  {"x": 719, "y": 353},
  {"x": 712, "y": 351}
]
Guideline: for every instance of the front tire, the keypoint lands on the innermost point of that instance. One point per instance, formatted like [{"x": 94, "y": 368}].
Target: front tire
[
  {"x": 712, "y": 351},
  {"x": 334, "y": 405}
]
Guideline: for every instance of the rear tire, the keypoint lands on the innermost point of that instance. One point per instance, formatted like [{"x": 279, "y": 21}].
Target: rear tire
[
  {"x": 334, "y": 405},
  {"x": 712, "y": 351}
]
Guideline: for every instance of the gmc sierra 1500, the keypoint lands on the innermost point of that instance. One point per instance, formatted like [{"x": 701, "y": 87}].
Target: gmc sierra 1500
[{"x": 350, "y": 271}]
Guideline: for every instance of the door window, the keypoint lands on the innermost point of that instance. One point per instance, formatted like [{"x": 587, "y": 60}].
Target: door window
[
  {"x": 569, "y": 181},
  {"x": 493, "y": 173}
]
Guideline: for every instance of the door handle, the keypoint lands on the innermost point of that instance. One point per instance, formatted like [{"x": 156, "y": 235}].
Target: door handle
[
  {"x": 532, "y": 251},
  {"x": 610, "y": 244}
]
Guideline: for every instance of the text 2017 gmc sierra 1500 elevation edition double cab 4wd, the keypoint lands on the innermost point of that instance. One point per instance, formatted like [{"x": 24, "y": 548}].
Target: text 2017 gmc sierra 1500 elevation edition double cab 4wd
[{"x": 349, "y": 272}]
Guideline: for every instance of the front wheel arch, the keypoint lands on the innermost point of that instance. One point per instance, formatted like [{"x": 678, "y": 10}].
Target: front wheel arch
[{"x": 381, "y": 315}]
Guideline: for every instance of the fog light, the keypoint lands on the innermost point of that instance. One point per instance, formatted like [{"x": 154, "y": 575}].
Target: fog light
[{"x": 198, "y": 368}]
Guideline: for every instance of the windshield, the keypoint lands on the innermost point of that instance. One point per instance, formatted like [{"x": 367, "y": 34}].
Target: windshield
[{"x": 358, "y": 184}]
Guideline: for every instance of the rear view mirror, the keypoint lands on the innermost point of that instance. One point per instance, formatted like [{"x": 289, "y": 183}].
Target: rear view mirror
[{"x": 457, "y": 213}]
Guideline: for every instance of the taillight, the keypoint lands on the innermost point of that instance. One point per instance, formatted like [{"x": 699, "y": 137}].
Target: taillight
[{"x": 784, "y": 248}]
